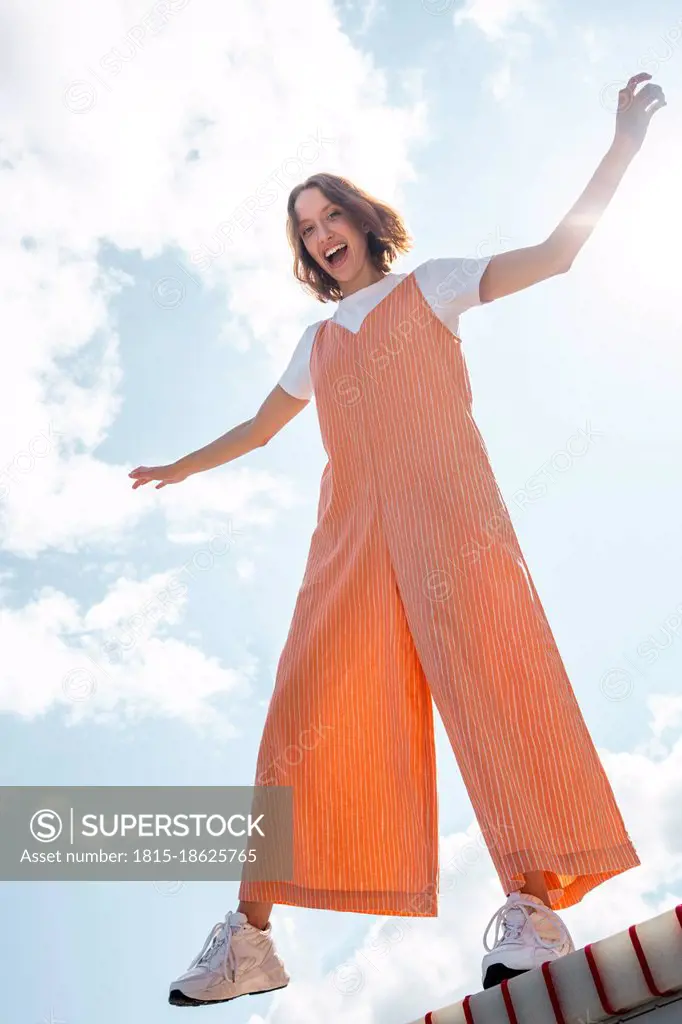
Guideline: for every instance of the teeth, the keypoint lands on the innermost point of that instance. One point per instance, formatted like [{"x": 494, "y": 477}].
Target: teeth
[{"x": 330, "y": 252}]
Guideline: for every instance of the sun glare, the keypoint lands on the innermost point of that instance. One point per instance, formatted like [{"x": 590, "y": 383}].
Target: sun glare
[{"x": 643, "y": 229}]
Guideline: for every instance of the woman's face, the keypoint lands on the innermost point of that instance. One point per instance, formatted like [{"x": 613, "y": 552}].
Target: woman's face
[{"x": 325, "y": 226}]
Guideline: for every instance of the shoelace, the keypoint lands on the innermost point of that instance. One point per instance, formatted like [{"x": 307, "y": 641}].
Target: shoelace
[
  {"x": 221, "y": 933},
  {"x": 513, "y": 929}
]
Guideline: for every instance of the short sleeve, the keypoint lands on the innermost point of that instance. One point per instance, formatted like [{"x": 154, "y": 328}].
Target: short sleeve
[
  {"x": 451, "y": 286},
  {"x": 296, "y": 379}
]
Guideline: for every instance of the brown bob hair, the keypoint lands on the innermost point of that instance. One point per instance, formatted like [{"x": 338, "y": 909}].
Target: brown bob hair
[{"x": 387, "y": 236}]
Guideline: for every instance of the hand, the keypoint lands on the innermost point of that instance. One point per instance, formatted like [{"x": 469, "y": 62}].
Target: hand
[
  {"x": 166, "y": 474},
  {"x": 635, "y": 110}
]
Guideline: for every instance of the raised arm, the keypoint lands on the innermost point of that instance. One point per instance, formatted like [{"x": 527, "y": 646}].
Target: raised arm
[
  {"x": 276, "y": 411},
  {"x": 512, "y": 271}
]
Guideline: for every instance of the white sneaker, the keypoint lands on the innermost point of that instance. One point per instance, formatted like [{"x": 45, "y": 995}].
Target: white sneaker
[
  {"x": 236, "y": 960},
  {"x": 532, "y": 935}
]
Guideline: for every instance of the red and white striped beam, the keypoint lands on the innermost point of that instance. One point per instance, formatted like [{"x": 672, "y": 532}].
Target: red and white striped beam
[{"x": 605, "y": 979}]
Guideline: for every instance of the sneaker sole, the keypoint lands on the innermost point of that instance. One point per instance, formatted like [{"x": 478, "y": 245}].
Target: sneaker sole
[
  {"x": 497, "y": 973},
  {"x": 178, "y": 998}
]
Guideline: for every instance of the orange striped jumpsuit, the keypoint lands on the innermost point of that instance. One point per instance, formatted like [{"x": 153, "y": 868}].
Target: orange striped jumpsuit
[{"x": 416, "y": 588}]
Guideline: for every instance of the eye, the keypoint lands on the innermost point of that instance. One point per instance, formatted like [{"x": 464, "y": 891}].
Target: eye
[
  {"x": 335, "y": 213},
  {"x": 306, "y": 230}
]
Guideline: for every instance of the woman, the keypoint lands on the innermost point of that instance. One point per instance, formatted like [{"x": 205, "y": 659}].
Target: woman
[{"x": 415, "y": 588}]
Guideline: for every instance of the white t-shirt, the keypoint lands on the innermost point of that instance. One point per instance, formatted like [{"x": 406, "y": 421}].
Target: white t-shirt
[{"x": 450, "y": 286}]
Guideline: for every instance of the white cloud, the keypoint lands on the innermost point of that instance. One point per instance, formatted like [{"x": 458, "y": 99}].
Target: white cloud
[
  {"x": 115, "y": 661},
  {"x": 245, "y": 569},
  {"x": 592, "y": 42},
  {"x": 503, "y": 22},
  {"x": 370, "y": 13},
  {"x": 77, "y": 501},
  {"x": 496, "y": 17},
  {"x": 500, "y": 82},
  {"x": 667, "y": 713},
  {"x": 368, "y": 10}
]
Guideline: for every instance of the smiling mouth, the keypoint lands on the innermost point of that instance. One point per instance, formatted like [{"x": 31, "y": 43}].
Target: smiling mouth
[{"x": 337, "y": 257}]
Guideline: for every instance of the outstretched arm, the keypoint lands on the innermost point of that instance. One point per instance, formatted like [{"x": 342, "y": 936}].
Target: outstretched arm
[
  {"x": 512, "y": 271},
  {"x": 278, "y": 408}
]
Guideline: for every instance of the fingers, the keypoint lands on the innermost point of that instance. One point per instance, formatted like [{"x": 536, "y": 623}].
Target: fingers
[
  {"x": 145, "y": 474},
  {"x": 636, "y": 79},
  {"x": 649, "y": 98},
  {"x": 626, "y": 94},
  {"x": 649, "y": 92},
  {"x": 142, "y": 475},
  {"x": 656, "y": 105}
]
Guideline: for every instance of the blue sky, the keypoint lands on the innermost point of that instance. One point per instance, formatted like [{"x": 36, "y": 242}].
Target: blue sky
[{"x": 123, "y": 149}]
